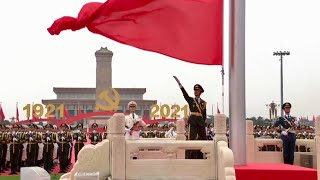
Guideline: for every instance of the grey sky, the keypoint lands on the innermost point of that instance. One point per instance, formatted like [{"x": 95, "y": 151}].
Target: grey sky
[{"x": 32, "y": 61}]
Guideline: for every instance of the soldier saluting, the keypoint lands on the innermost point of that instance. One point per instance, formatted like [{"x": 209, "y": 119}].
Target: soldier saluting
[
  {"x": 197, "y": 118},
  {"x": 285, "y": 125}
]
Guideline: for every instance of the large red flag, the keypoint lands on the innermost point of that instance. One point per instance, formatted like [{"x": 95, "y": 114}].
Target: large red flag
[
  {"x": 2, "y": 114},
  {"x": 189, "y": 30}
]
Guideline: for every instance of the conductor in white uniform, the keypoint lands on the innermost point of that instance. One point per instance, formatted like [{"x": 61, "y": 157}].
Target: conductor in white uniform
[{"x": 133, "y": 122}]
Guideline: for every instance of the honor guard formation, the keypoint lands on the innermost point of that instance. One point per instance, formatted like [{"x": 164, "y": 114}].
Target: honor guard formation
[{"x": 44, "y": 146}]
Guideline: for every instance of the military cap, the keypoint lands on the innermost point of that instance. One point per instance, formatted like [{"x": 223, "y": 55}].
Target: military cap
[
  {"x": 31, "y": 125},
  {"x": 80, "y": 125},
  {"x": 25, "y": 126},
  {"x": 94, "y": 125},
  {"x": 286, "y": 105},
  {"x": 198, "y": 86},
  {"x": 132, "y": 103},
  {"x": 48, "y": 126},
  {"x": 63, "y": 125}
]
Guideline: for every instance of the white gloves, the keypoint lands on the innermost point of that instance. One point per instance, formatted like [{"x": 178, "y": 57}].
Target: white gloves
[
  {"x": 30, "y": 139},
  {"x": 29, "y": 132},
  {"x": 63, "y": 138},
  {"x": 79, "y": 138},
  {"x": 95, "y": 138},
  {"x": 284, "y": 133},
  {"x": 127, "y": 130},
  {"x": 14, "y": 139},
  {"x": 48, "y": 138},
  {"x": 297, "y": 123}
]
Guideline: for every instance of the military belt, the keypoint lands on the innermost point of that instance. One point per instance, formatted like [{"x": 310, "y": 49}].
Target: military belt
[
  {"x": 290, "y": 131},
  {"x": 196, "y": 113}
]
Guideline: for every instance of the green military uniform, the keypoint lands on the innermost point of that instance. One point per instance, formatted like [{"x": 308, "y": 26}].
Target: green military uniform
[
  {"x": 198, "y": 115},
  {"x": 105, "y": 134},
  {"x": 22, "y": 140},
  {"x": 3, "y": 143},
  {"x": 63, "y": 150},
  {"x": 48, "y": 139},
  {"x": 32, "y": 146},
  {"x": 95, "y": 136},
  {"x": 80, "y": 138},
  {"x": 196, "y": 121},
  {"x": 14, "y": 139},
  {"x": 1, "y": 146}
]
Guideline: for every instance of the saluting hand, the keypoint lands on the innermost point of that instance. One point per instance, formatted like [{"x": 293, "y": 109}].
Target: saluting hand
[{"x": 180, "y": 85}]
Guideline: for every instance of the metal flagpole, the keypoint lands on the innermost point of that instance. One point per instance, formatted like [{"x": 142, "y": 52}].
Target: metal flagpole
[
  {"x": 222, "y": 76},
  {"x": 237, "y": 104}
]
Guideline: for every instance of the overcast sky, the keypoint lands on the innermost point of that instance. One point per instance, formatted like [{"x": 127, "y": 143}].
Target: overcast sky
[{"x": 32, "y": 61}]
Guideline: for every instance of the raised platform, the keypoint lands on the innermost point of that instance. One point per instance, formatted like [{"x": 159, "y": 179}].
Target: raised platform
[{"x": 267, "y": 171}]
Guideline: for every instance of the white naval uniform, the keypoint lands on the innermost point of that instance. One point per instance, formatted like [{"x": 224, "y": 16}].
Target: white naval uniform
[{"x": 129, "y": 121}]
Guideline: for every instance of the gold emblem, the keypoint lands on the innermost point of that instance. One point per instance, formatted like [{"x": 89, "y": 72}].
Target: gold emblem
[{"x": 113, "y": 104}]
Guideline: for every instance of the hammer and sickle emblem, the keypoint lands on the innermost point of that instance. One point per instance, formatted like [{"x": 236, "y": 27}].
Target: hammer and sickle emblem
[{"x": 113, "y": 105}]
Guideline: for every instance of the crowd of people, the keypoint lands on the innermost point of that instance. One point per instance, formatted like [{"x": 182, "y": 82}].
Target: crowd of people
[
  {"x": 270, "y": 132},
  {"x": 46, "y": 146}
]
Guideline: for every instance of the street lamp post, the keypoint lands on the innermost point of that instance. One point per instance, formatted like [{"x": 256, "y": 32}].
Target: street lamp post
[{"x": 281, "y": 54}]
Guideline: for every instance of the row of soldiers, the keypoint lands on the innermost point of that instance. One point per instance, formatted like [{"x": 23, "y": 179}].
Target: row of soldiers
[
  {"x": 35, "y": 145},
  {"x": 304, "y": 132}
]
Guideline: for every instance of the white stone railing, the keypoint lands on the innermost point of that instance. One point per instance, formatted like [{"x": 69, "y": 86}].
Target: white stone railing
[
  {"x": 153, "y": 152},
  {"x": 225, "y": 162},
  {"x": 224, "y": 155},
  {"x": 171, "y": 167},
  {"x": 91, "y": 158},
  {"x": 114, "y": 158}
]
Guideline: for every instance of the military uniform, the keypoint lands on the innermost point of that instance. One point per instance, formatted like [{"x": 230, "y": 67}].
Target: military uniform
[
  {"x": 285, "y": 125},
  {"x": 63, "y": 150},
  {"x": 4, "y": 140},
  {"x": 14, "y": 139},
  {"x": 48, "y": 139},
  {"x": 32, "y": 146},
  {"x": 22, "y": 140},
  {"x": 196, "y": 121},
  {"x": 105, "y": 134},
  {"x": 80, "y": 138},
  {"x": 95, "y": 136}
]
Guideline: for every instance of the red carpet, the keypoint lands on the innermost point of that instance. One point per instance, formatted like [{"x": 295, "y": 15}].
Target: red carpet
[{"x": 270, "y": 171}]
